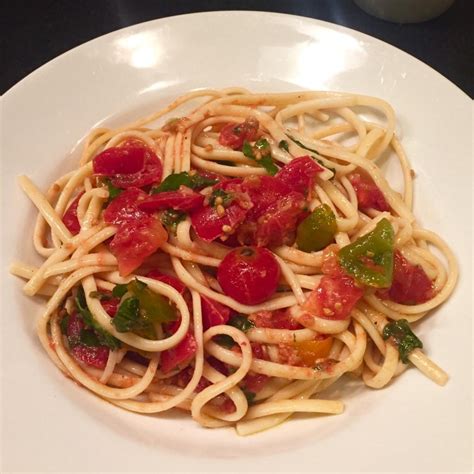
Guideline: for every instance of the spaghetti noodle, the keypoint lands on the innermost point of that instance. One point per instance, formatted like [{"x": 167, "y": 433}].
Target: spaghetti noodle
[{"x": 237, "y": 261}]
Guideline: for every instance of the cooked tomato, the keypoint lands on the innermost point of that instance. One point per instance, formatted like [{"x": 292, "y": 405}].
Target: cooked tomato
[
  {"x": 218, "y": 365},
  {"x": 213, "y": 312},
  {"x": 410, "y": 284},
  {"x": 119, "y": 160},
  {"x": 70, "y": 216},
  {"x": 250, "y": 275},
  {"x": 181, "y": 200},
  {"x": 111, "y": 306},
  {"x": 333, "y": 298},
  {"x": 132, "y": 164},
  {"x": 233, "y": 135},
  {"x": 209, "y": 225},
  {"x": 125, "y": 207},
  {"x": 258, "y": 351},
  {"x": 93, "y": 356},
  {"x": 136, "y": 240},
  {"x": 178, "y": 355},
  {"x": 300, "y": 174},
  {"x": 368, "y": 194},
  {"x": 275, "y": 211},
  {"x": 254, "y": 382},
  {"x": 277, "y": 226},
  {"x": 279, "y": 319},
  {"x": 310, "y": 351},
  {"x": 330, "y": 265},
  {"x": 263, "y": 192}
]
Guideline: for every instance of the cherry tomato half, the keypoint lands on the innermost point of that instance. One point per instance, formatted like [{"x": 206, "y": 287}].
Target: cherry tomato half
[{"x": 250, "y": 275}]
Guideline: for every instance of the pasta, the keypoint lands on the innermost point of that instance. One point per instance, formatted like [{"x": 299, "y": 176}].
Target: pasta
[{"x": 238, "y": 260}]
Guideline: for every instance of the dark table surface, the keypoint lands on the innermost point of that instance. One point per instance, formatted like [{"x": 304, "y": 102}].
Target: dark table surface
[{"x": 35, "y": 32}]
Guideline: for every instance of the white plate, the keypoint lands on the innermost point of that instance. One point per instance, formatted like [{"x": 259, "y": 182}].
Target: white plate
[{"x": 51, "y": 424}]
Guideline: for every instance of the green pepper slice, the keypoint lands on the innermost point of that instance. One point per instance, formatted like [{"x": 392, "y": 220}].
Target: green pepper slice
[
  {"x": 153, "y": 307},
  {"x": 316, "y": 231},
  {"x": 370, "y": 258}
]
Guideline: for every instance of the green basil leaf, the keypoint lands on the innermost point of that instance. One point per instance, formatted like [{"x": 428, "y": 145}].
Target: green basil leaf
[
  {"x": 100, "y": 296},
  {"x": 284, "y": 145},
  {"x": 225, "y": 198},
  {"x": 175, "y": 180},
  {"x": 302, "y": 145},
  {"x": 249, "y": 395},
  {"x": 403, "y": 336},
  {"x": 89, "y": 338},
  {"x": 267, "y": 163},
  {"x": 261, "y": 154},
  {"x": 241, "y": 322},
  {"x": 113, "y": 190},
  {"x": 105, "y": 337},
  {"x": 224, "y": 340},
  {"x": 119, "y": 290},
  {"x": 63, "y": 324},
  {"x": 171, "y": 218},
  {"x": 127, "y": 315}
]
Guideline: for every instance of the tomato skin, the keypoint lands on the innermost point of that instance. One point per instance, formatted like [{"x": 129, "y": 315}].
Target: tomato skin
[
  {"x": 410, "y": 284},
  {"x": 130, "y": 165},
  {"x": 263, "y": 192},
  {"x": 111, "y": 306},
  {"x": 208, "y": 224},
  {"x": 279, "y": 319},
  {"x": 177, "y": 200},
  {"x": 299, "y": 174},
  {"x": 233, "y": 135},
  {"x": 181, "y": 353},
  {"x": 258, "y": 351},
  {"x": 119, "y": 160},
  {"x": 70, "y": 218},
  {"x": 125, "y": 207},
  {"x": 255, "y": 382},
  {"x": 275, "y": 211},
  {"x": 333, "y": 298},
  {"x": 368, "y": 194},
  {"x": 250, "y": 275},
  {"x": 277, "y": 226},
  {"x": 136, "y": 240},
  {"x": 213, "y": 312},
  {"x": 93, "y": 356},
  {"x": 330, "y": 265}
]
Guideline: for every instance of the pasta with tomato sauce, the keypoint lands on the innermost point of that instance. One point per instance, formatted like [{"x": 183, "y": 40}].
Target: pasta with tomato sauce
[{"x": 238, "y": 260}]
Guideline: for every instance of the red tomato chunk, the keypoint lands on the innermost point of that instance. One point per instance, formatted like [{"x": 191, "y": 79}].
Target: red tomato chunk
[
  {"x": 250, "y": 275},
  {"x": 234, "y": 135},
  {"x": 70, "y": 218},
  {"x": 125, "y": 207},
  {"x": 279, "y": 319},
  {"x": 213, "y": 312},
  {"x": 136, "y": 240},
  {"x": 182, "y": 200},
  {"x": 299, "y": 174},
  {"x": 93, "y": 356},
  {"x": 333, "y": 298},
  {"x": 178, "y": 355},
  {"x": 368, "y": 194},
  {"x": 130, "y": 165},
  {"x": 410, "y": 285}
]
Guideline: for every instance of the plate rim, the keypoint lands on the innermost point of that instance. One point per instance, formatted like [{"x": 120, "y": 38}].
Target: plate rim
[{"x": 340, "y": 28}]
